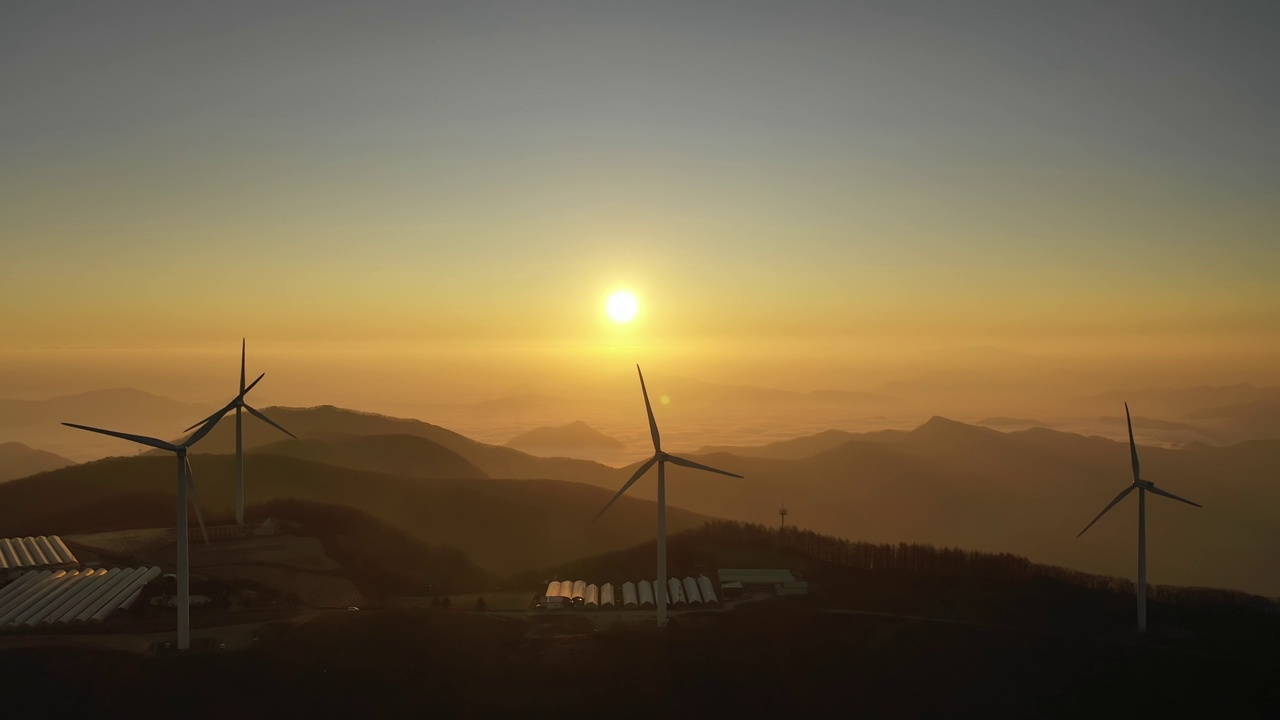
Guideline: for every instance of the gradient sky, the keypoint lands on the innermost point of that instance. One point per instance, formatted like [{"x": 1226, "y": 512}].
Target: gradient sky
[{"x": 832, "y": 175}]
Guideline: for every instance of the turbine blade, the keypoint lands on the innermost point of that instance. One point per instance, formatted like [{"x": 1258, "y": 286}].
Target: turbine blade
[
  {"x": 266, "y": 419},
  {"x": 204, "y": 430},
  {"x": 255, "y": 382},
  {"x": 225, "y": 409},
  {"x": 242, "y": 390},
  {"x": 140, "y": 439},
  {"x": 642, "y": 470},
  {"x": 1112, "y": 504},
  {"x": 1133, "y": 446},
  {"x": 1158, "y": 491},
  {"x": 653, "y": 424},
  {"x": 195, "y": 499},
  {"x": 697, "y": 466}
]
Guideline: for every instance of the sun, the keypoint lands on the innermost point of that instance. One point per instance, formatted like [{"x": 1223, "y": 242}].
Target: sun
[{"x": 623, "y": 306}]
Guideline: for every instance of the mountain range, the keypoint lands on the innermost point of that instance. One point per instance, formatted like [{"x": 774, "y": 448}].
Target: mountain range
[
  {"x": 944, "y": 483},
  {"x": 37, "y": 422}
]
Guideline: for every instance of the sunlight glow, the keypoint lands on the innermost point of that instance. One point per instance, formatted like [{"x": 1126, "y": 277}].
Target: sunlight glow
[{"x": 623, "y": 306}]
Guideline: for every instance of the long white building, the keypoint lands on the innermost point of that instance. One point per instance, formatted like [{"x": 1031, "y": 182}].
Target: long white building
[
  {"x": 64, "y": 597},
  {"x": 35, "y": 552}
]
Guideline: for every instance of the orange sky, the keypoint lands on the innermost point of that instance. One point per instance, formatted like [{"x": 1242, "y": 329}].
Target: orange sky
[{"x": 793, "y": 196}]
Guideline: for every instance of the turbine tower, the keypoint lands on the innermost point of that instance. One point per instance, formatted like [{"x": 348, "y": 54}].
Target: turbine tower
[
  {"x": 185, "y": 482},
  {"x": 1143, "y": 487},
  {"x": 239, "y": 404},
  {"x": 661, "y": 459}
]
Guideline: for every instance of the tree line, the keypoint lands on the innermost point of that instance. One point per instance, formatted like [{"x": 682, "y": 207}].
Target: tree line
[{"x": 956, "y": 562}]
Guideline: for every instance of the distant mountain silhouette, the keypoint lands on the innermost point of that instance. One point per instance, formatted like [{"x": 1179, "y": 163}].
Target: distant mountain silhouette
[
  {"x": 503, "y": 525},
  {"x": 999, "y": 422},
  {"x": 577, "y": 439},
  {"x": 18, "y": 460},
  {"x": 1031, "y": 491},
  {"x": 697, "y": 393},
  {"x": 1183, "y": 402},
  {"x": 1183, "y": 431},
  {"x": 37, "y": 422},
  {"x": 576, "y": 433},
  {"x": 793, "y": 449},
  {"x": 1259, "y": 419},
  {"x": 407, "y": 455},
  {"x": 94, "y": 407}
]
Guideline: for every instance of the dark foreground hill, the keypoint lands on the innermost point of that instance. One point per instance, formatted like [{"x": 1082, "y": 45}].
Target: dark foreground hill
[
  {"x": 947, "y": 584},
  {"x": 502, "y": 525},
  {"x": 767, "y": 660},
  {"x": 382, "y": 560}
]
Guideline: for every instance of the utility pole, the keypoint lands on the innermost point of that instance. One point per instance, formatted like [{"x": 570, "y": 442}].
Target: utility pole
[{"x": 782, "y": 513}]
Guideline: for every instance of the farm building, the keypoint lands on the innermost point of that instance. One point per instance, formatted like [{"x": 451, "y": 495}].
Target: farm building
[
  {"x": 797, "y": 587},
  {"x": 691, "y": 592},
  {"x": 645, "y": 590},
  {"x": 777, "y": 580},
  {"x": 61, "y": 597},
  {"x": 675, "y": 592},
  {"x": 35, "y": 552},
  {"x": 566, "y": 591},
  {"x": 707, "y": 590},
  {"x": 552, "y": 598}
]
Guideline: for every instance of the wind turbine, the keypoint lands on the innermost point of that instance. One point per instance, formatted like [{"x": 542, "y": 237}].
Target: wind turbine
[
  {"x": 1143, "y": 487},
  {"x": 239, "y": 404},
  {"x": 661, "y": 459},
  {"x": 185, "y": 482}
]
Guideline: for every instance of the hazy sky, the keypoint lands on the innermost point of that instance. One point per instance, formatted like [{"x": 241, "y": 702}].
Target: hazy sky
[{"x": 833, "y": 175}]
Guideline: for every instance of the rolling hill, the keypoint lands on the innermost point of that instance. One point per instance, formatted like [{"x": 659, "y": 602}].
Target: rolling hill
[
  {"x": 328, "y": 422},
  {"x": 407, "y": 455},
  {"x": 18, "y": 460},
  {"x": 502, "y": 525}
]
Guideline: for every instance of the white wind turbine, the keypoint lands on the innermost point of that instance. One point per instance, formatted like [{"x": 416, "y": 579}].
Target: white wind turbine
[
  {"x": 185, "y": 483},
  {"x": 661, "y": 458},
  {"x": 1142, "y": 486},
  {"x": 239, "y": 404}
]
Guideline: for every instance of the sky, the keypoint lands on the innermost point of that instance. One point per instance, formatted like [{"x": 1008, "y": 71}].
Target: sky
[{"x": 788, "y": 188}]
